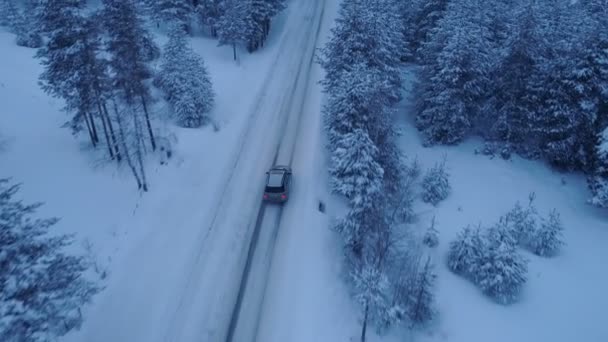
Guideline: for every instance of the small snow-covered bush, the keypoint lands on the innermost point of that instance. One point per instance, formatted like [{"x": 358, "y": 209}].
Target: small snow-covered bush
[
  {"x": 491, "y": 261},
  {"x": 466, "y": 252},
  {"x": 435, "y": 184},
  {"x": 522, "y": 222},
  {"x": 503, "y": 271},
  {"x": 548, "y": 238},
  {"x": 431, "y": 237}
]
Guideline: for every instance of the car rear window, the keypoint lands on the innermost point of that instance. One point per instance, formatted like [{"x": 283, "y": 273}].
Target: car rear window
[{"x": 275, "y": 179}]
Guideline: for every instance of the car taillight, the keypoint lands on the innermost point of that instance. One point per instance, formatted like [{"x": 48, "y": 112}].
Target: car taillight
[
  {"x": 265, "y": 196},
  {"x": 283, "y": 196}
]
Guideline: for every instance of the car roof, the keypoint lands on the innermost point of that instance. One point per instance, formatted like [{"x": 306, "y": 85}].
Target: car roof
[
  {"x": 280, "y": 167},
  {"x": 275, "y": 178}
]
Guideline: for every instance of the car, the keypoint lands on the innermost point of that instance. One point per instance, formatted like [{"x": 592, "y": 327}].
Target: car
[{"x": 278, "y": 180}]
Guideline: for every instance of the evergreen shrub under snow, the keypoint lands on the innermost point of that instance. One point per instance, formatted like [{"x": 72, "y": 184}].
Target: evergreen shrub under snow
[{"x": 435, "y": 184}]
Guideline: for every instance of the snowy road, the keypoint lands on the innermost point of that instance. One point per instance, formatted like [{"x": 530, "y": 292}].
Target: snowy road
[
  {"x": 210, "y": 292},
  {"x": 246, "y": 315}
]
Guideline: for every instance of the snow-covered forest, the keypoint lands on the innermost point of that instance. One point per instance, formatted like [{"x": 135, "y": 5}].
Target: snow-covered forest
[
  {"x": 528, "y": 77},
  {"x": 102, "y": 59}
]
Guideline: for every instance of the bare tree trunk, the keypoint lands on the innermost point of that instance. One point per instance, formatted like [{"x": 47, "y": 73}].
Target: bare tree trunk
[
  {"x": 93, "y": 128},
  {"x": 152, "y": 140},
  {"x": 234, "y": 50},
  {"x": 125, "y": 148},
  {"x": 138, "y": 152},
  {"x": 112, "y": 134},
  {"x": 105, "y": 132},
  {"x": 364, "y": 328},
  {"x": 90, "y": 130}
]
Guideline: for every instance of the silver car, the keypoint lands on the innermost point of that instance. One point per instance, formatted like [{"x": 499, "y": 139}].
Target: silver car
[{"x": 277, "y": 184}]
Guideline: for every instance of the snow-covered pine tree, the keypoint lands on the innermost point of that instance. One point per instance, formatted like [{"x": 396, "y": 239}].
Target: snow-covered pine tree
[
  {"x": 63, "y": 58},
  {"x": 421, "y": 309},
  {"x": 455, "y": 82},
  {"x": 27, "y": 26},
  {"x": 467, "y": 252},
  {"x": 371, "y": 287},
  {"x": 42, "y": 288},
  {"x": 436, "y": 184},
  {"x": 130, "y": 72},
  {"x": 173, "y": 12},
  {"x": 233, "y": 27},
  {"x": 10, "y": 15},
  {"x": 210, "y": 12},
  {"x": 502, "y": 272},
  {"x": 548, "y": 238},
  {"x": 185, "y": 80},
  {"x": 355, "y": 172}
]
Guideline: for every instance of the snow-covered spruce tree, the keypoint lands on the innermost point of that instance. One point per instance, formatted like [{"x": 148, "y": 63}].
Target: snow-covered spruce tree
[
  {"x": 366, "y": 33},
  {"x": 421, "y": 309},
  {"x": 210, "y": 12},
  {"x": 233, "y": 27},
  {"x": 173, "y": 12},
  {"x": 42, "y": 288},
  {"x": 565, "y": 121},
  {"x": 428, "y": 14},
  {"x": 548, "y": 238},
  {"x": 358, "y": 102},
  {"x": 354, "y": 170},
  {"x": 4, "y": 12},
  {"x": 407, "y": 11},
  {"x": 185, "y": 80},
  {"x": 260, "y": 14},
  {"x": 589, "y": 77},
  {"x": 436, "y": 184},
  {"x": 502, "y": 272},
  {"x": 431, "y": 236},
  {"x": 518, "y": 82},
  {"x": 455, "y": 81},
  {"x": 467, "y": 253},
  {"x": 598, "y": 180}
]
